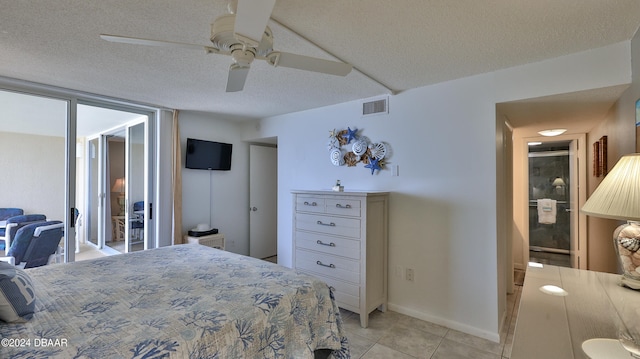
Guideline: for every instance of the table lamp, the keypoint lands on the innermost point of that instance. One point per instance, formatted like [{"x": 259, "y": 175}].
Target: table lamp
[
  {"x": 618, "y": 197},
  {"x": 119, "y": 187}
]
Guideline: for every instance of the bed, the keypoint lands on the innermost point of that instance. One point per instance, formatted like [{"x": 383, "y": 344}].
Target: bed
[{"x": 185, "y": 301}]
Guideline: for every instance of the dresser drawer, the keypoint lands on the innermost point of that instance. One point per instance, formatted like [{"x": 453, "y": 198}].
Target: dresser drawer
[
  {"x": 345, "y": 293},
  {"x": 310, "y": 204},
  {"x": 331, "y": 245},
  {"x": 328, "y": 265},
  {"x": 343, "y": 207},
  {"x": 348, "y": 227}
]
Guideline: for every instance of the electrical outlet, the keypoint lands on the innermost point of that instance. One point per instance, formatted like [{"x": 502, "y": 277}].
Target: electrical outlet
[{"x": 408, "y": 274}]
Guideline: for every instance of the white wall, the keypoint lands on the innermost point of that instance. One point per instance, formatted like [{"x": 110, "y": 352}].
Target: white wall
[
  {"x": 219, "y": 198},
  {"x": 597, "y": 68},
  {"x": 442, "y": 207},
  {"x": 443, "y": 220},
  {"x": 33, "y": 173}
]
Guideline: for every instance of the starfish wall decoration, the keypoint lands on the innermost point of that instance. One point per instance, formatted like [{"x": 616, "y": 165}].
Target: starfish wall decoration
[
  {"x": 372, "y": 155},
  {"x": 350, "y": 135},
  {"x": 374, "y": 164}
]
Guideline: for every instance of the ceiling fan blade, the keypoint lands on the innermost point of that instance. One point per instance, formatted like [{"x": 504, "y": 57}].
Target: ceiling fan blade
[
  {"x": 251, "y": 20},
  {"x": 237, "y": 77},
  {"x": 148, "y": 42},
  {"x": 307, "y": 63}
]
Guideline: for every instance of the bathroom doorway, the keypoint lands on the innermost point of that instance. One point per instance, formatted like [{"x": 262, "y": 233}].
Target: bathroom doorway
[{"x": 551, "y": 207}]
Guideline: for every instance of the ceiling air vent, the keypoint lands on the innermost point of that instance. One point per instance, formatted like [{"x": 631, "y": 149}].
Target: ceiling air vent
[{"x": 375, "y": 107}]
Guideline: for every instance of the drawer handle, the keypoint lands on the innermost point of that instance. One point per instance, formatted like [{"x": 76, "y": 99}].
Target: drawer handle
[
  {"x": 326, "y": 244},
  {"x": 338, "y": 205},
  {"x": 325, "y": 265},
  {"x": 326, "y": 224},
  {"x": 313, "y": 204}
]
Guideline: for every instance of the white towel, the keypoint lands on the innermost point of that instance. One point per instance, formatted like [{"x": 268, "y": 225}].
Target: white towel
[{"x": 547, "y": 211}]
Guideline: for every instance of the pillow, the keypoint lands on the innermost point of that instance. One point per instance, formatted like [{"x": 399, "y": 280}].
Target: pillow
[{"x": 17, "y": 295}]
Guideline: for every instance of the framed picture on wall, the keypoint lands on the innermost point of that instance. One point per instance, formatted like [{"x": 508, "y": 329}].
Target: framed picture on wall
[
  {"x": 596, "y": 159},
  {"x": 603, "y": 156},
  {"x": 600, "y": 157}
]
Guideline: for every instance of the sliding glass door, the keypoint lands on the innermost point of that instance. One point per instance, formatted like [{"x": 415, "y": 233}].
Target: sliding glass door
[
  {"x": 137, "y": 184},
  {"x": 38, "y": 157},
  {"x": 119, "y": 186},
  {"x": 551, "y": 234},
  {"x": 56, "y": 161}
]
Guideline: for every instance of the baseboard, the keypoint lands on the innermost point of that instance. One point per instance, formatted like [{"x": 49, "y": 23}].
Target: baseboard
[
  {"x": 494, "y": 337},
  {"x": 503, "y": 323}
]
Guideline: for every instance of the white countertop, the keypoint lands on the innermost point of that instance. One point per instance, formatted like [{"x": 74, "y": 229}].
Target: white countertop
[{"x": 552, "y": 326}]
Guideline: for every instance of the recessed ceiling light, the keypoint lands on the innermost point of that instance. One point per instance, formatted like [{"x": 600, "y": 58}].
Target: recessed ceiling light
[
  {"x": 534, "y": 143},
  {"x": 554, "y": 132}
]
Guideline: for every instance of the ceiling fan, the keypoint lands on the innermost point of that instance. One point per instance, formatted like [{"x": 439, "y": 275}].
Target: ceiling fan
[{"x": 244, "y": 35}]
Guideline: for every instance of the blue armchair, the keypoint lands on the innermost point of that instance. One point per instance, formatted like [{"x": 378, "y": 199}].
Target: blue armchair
[
  {"x": 10, "y": 212},
  {"x": 35, "y": 243},
  {"x": 13, "y": 224},
  {"x": 137, "y": 222},
  {"x": 6, "y": 213}
]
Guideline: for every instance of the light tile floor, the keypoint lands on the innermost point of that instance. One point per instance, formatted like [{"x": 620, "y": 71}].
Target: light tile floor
[
  {"x": 394, "y": 335},
  {"x": 88, "y": 252}
]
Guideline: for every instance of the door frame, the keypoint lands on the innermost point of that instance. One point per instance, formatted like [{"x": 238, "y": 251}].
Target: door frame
[
  {"x": 147, "y": 231},
  {"x": 104, "y": 184},
  {"x": 101, "y": 190},
  {"x": 24, "y": 88},
  {"x": 577, "y": 186}
]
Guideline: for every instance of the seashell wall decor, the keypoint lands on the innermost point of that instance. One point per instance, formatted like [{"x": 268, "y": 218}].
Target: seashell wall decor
[{"x": 350, "y": 148}]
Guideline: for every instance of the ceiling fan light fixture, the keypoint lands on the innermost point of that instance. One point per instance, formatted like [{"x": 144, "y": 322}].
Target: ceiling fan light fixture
[
  {"x": 554, "y": 132},
  {"x": 243, "y": 57},
  {"x": 244, "y": 35}
]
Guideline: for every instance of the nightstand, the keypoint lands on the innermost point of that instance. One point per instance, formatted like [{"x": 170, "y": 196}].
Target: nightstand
[{"x": 212, "y": 240}]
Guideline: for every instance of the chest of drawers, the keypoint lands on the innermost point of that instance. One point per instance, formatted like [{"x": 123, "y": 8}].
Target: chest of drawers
[{"x": 341, "y": 238}]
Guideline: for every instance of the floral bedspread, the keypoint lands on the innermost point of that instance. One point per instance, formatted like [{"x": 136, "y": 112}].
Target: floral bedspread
[{"x": 185, "y": 301}]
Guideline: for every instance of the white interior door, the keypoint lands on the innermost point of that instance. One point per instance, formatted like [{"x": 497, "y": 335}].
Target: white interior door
[{"x": 263, "y": 201}]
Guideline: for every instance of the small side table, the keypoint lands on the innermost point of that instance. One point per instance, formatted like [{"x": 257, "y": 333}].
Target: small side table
[{"x": 212, "y": 240}]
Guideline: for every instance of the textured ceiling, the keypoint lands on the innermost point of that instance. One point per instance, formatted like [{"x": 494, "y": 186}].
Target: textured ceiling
[{"x": 403, "y": 44}]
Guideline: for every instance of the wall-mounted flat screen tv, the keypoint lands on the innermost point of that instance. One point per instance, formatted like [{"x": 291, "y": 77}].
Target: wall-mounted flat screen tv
[{"x": 208, "y": 155}]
